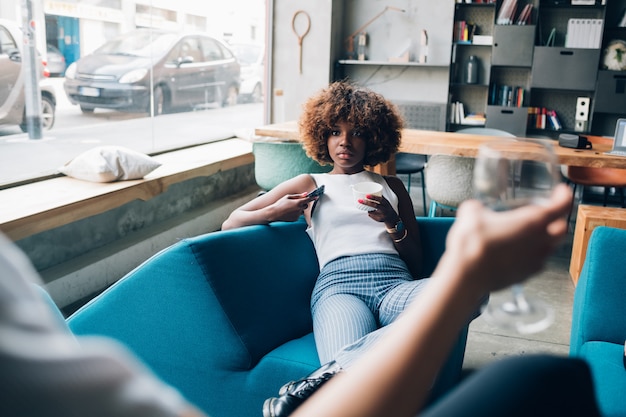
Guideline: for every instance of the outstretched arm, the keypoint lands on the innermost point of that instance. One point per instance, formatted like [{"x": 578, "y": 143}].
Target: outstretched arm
[
  {"x": 285, "y": 202},
  {"x": 485, "y": 251}
]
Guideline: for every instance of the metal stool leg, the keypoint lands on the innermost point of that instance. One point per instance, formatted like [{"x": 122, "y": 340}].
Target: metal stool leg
[{"x": 433, "y": 209}]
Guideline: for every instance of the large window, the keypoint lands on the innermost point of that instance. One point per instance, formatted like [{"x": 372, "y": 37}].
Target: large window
[{"x": 151, "y": 77}]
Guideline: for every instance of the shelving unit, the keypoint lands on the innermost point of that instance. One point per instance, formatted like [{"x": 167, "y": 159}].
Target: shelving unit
[
  {"x": 535, "y": 58},
  {"x": 555, "y": 74},
  {"x": 564, "y": 76},
  {"x": 480, "y": 18},
  {"x": 610, "y": 94},
  {"x": 506, "y": 64}
]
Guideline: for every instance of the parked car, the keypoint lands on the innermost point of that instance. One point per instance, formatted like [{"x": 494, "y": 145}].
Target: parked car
[
  {"x": 55, "y": 60},
  {"x": 12, "y": 100},
  {"x": 187, "y": 71},
  {"x": 251, "y": 58}
]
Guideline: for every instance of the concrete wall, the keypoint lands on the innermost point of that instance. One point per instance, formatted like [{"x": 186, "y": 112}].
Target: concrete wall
[{"x": 84, "y": 257}]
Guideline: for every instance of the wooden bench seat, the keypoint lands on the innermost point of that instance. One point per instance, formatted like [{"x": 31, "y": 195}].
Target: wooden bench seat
[{"x": 45, "y": 205}]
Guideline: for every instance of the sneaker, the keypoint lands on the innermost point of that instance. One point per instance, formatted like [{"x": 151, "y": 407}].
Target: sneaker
[{"x": 294, "y": 393}]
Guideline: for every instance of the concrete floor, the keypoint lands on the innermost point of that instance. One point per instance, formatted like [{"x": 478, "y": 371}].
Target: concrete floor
[{"x": 487, "y": 343}]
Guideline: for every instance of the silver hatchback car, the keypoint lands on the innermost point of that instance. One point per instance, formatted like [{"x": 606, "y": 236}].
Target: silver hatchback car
[
  {"x": 176, "y": 70},
  {"x": 12, "y": 102}
]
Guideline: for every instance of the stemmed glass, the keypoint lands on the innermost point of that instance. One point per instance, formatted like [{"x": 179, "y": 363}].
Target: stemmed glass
[{"x": 510, "y": 173}]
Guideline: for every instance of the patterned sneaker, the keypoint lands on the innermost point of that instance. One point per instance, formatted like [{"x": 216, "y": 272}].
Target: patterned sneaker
[{"x": 294, "y": 393}]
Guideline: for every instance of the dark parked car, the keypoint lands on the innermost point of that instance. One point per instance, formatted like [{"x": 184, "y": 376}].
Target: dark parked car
[
  {"x": 12, "y": 102},
  {"x": 187, "y": 70}
]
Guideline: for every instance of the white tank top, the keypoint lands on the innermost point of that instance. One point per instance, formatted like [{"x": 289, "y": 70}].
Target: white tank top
[{"x": 339, "y": 228}]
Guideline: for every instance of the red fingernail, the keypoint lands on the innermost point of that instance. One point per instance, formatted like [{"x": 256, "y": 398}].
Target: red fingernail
[
  {"x": 368, "y": 196},
  {"x": 360, "y": 201}
]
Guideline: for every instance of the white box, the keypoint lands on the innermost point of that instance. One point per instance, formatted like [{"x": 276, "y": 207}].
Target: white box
[{"x": 482, "y": 40}]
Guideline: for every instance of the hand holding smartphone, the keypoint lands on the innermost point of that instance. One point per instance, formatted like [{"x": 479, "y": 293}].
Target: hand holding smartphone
[{"x": 316, "y": 193}]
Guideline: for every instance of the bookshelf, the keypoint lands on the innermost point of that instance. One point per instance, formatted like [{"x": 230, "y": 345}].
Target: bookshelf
[
  {"x": 546, "y": 75},
  {"x": 610, "y": 96},
  {"x": 472, "y": 39},
  {"x": 536, "y": 78},
  {"x": 506, "y": 35},
  {"x": 565, "y": 68}
]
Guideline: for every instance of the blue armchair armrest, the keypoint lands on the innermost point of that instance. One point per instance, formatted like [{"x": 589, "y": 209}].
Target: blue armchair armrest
[{"x": 599, "y": 317}]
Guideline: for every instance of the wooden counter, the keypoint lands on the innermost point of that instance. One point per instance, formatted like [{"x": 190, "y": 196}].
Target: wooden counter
[{"x": 461, "y": 144}]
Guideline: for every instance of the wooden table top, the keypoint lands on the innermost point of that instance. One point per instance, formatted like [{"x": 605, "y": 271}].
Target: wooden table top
[{"x": 461, "y": 144}]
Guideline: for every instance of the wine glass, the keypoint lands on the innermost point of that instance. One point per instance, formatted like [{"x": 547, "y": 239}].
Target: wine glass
[{"x": 510, "y": 173}]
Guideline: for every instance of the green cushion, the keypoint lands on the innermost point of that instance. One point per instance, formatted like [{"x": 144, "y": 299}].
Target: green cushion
[{"x": 275, "y": 162}]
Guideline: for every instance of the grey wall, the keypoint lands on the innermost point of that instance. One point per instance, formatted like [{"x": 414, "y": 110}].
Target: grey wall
[
  {"x": 331, "y": 22},
  {"x": 289, "y": 87}
]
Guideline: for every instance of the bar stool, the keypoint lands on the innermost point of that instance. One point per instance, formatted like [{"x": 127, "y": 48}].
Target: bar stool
[
  {"x": 598, "y": 177},
  {"x": 449, "y": 178},
  {"x": 595, "y": 177},
  {"x": 408, "y": 163}
]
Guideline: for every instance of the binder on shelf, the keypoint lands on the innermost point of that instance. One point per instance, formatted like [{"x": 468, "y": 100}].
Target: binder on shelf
[
  {"x": 524, "y": 17},
  {"x": 596, "y": 33},
  {"x": 507, "y": 12},
  {"x": 584, "y": 33}
]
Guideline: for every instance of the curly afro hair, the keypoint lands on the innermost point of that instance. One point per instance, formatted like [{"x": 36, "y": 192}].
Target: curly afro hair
[{"x": 367, "y": 111}]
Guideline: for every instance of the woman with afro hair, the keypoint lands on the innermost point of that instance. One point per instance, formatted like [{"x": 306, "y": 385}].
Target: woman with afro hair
[{"x": 369, "y": 261}]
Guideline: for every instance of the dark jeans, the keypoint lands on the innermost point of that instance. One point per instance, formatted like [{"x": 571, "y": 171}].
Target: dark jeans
[{"x": 535, "y": 385}]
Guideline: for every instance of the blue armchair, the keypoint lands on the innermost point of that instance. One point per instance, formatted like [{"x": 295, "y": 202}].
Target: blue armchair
[
  {"x": 224, "y": 317},
  {"x": 599, "y": 317}
]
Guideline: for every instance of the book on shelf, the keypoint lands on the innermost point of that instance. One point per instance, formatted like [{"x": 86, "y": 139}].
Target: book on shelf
[
  {"x": 506, "y": 95},
  {"x": 458, "y": 116},
  {"x": 463, "y": 31},
  {"x": 543, "y": 118},
  {"x": 475, "y": 119}
]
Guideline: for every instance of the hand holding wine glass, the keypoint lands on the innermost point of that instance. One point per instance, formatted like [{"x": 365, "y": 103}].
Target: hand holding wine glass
[{"x": 510, "y": 173}]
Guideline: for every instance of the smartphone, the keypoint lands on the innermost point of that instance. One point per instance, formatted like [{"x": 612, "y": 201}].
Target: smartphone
[{"x": 316, "y": 193}]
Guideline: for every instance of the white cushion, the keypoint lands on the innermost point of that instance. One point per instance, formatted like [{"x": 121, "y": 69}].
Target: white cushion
[{"x": 110, "y": 163}]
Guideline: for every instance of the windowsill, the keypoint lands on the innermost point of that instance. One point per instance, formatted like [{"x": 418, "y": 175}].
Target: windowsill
[{"x": 36, "y": 207}]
